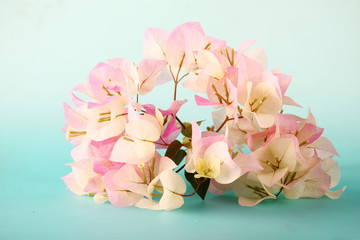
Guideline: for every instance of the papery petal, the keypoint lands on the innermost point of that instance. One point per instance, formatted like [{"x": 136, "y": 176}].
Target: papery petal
[
  {"x": 229, "y": 172},
  {"x": 117, "y": 195},
  {"x": 258, "y": 54},
  {"x": 250, "y": 202},
  {"x": 331, "y": 167},
  {"x": 289, "y": 101},
  {"x": 72, "y": 184},
  {"x": 284, "y": 82},
  {"x": 271, "y": 178},
  {"x": 81, "y": 151},
  {"x": 174, "y": 186},
  {"x": 317, "y": 183},
  {"x": 130, "y": 72},
  {"x": 247, "y": 162},
  {"x": 95, "y": 185},
  {"x": 197, "y": 82},
  {"x": 245, "y": 45},
  {"x": 148, "y": 204},
  {"x": 323, "y": 147},
  {"x": 204, "y": 102},
  {"x": 125, "y": 151},
  {"x": 154, "y": 43},
  {"x": 144, "y": 127},
  {"x": 335, "y": 194},
  {"x": 196, "y": 132},
  {"x": 148, "y": 71},
  {"x": 100, "y": 198},
  {"x": 128, "y": 177},
  {"x": 83, "y": 171},
  {"x": 296, "y": 191},
  {"x": 76, "y": 101},
  {"x": 309, "y": 133},
  {"x": 74, "y": 119}
]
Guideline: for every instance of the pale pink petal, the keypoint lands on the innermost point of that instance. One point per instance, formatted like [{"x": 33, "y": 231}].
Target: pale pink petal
[
  {"x": 129, "y": 156},
  {"x": 197, "y": 82},
  {"x": 258, "y": 54},
  {"x": 331, "y": 167},
  {"x": 144, "y": 127},
  {"x": 264, "y": 120},
  {"x": 74, "y": 119},
  {"x": 289, "y": 101},
  {"x": 309, "y": 133},
  {"x": 72, "y": 184},
  {"x": 154, "y": 43},
  {"x": 117, "y": 195},
  {"x": 296, "y": 191},
  {"x": 285, "y": 124},
  {"x": 284, "y": 82},
  {"x": 196, "y": 132},
  {"x": 310, "y": 118},
  {"x": 83, "y": 171},
  {"x": 204, "y": 102},
  {"x": 95, "y": 185},
  {"x": 81, "y": 151},
  {"x": 76, "y": 101},
  {"x": 317, "y": 183},
  {"x": 128, "y": 177},
  {"x": 247, "y": 163},
  {"x": 245, "y": 45},
  {"x": 323, "y": 147},
  {"x": 130, "y": 72},
  {"x": 271, "y": 178},
  {"x": 148, "y": 70}
]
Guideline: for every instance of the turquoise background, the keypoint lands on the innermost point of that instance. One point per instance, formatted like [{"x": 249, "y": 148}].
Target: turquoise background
[{"x": 47, "y": 47}]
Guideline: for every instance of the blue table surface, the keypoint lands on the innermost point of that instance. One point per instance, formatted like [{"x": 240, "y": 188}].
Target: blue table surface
[{"x": 35, "y": 204}]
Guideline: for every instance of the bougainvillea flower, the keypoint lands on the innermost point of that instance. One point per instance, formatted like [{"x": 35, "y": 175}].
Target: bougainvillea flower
[
  {"x": 117, "y": 195},
  {"x": 210, "y": 158},
  {"x": 277, "y": 158},
  {"x": 141, "y": 79},
  {"x": 237, "y": 130},
  {"x": 142, "y": 132},
  {"x": 217, "y": 163},
  {"x": 171, "y": 129},
  {"x": 103, "y": 81},
  {"x": 262, "y": 104},
  {"x": 116, "y": 138},
  {"x": 76, "y": 124},
  {"x": 84, "y": 179},
  {"x": 171, "y": 187},
  {"x": 250, "y": 190},
  {"x": 107, "y": 120},
  {"x": 131, "y": 183}
]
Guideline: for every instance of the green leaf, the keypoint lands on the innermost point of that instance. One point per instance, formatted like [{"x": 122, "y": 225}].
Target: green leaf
[
  {"x": 173, "y": 149},
  {"x": 186, "y": 142},
  {"x": 203, "y": 188},
  {"x": 200, "y": 122},
  {"x": 179, "y": 156},
  {"x": 187, "y": 131}
]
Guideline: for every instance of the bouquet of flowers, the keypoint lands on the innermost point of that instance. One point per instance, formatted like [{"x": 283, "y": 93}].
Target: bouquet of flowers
[{"x": 133, "y": 153}]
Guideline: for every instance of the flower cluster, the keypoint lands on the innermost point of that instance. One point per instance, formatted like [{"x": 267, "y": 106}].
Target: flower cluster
[{"x": 130, "y": 153}]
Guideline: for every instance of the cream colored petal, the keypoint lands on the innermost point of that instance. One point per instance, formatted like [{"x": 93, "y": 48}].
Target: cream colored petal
[
  {"x": 331, "y": 167},
  {"x": 335, "y": 194}
]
